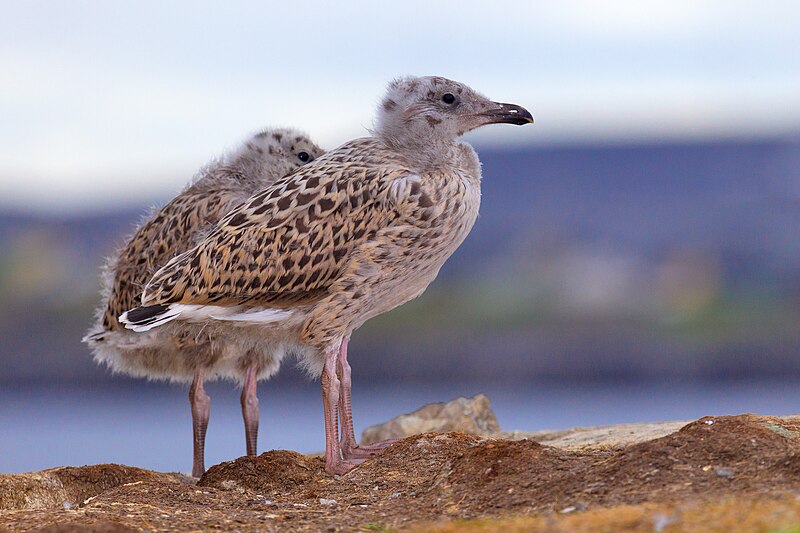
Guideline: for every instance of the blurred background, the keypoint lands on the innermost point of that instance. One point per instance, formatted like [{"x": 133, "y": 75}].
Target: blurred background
[{"x": 637, "y": 256}]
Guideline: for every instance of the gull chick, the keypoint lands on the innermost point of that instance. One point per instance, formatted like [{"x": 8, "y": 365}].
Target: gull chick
[
  {"x": 186, "y": 352},
  {"x": 358, "y": 232}
]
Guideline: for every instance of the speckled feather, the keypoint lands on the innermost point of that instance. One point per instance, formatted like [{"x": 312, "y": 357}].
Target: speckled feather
[{"x": 327, "y": 236}]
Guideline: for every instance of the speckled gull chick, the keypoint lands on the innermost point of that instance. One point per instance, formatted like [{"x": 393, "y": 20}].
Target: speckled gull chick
[
  {"x": 190, "y": 352},
  {"x": 358, "y": 232}
]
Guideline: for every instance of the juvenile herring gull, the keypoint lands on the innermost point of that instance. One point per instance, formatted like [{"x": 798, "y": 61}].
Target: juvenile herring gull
[
  {"x": 187, "y": 352},
  {"x": 358, "y": 232}
]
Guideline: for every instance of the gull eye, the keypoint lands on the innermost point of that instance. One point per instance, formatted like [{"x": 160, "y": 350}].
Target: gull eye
[
  {"x": 304, "y": 157},
  {"x": 448, "y": 98}
]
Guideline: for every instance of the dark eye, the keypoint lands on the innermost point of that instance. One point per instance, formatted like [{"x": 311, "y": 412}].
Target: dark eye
[
  {"x": 304, "y": 157},
  {"x": 448, "y": 98}
]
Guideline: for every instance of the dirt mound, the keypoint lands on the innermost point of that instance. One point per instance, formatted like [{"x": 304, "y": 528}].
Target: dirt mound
[
  {"x": 711, "y": 456},
  {"x": 729, "y": 453},
  {"x": 505, "y": 475},
  {"x": 68, "y": 486},
  {"x": 432, "y": 477},
  {"x": 276, "y": 471},
  {"x": 431, "y": 454},
  {"x": 83, "y": 482}
]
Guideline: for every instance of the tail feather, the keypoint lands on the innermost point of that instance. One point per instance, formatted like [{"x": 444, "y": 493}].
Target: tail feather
[
  {"x": 148, "y": 317},
  {"x": 141, "y": 314}
]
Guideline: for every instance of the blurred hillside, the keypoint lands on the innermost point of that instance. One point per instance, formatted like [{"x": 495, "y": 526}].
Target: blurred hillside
[{"x": 588, "y": 262}]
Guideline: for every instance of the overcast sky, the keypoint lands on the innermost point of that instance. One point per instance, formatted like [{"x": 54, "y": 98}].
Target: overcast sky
[{"x": 111, "y": 103}]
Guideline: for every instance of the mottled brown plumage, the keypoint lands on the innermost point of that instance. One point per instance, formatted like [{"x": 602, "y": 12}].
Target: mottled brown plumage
[
  {"x": 363, "y": 229},
  {"x": 321, "y": 237}
]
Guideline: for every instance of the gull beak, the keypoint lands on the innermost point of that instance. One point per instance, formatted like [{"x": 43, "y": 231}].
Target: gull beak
[{"x": 507, "y": 114}]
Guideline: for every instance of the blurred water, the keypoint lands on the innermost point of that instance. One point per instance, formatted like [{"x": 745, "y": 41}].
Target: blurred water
[{"x": 148, "y": 425}]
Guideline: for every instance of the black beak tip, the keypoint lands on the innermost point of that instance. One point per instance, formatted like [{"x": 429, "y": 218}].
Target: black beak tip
[
  {"x": 514, "y": 114},
  {"x": 524, "y": 119},
  {"x": 523, "y": 116}
]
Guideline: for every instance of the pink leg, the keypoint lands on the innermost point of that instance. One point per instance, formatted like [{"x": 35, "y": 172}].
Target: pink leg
[
  {"x": 350, "y": 447},
  {"x": 250, "y": 410},
  {"x": 201, "y": 409},
  {"x": 334, "y": 463}
]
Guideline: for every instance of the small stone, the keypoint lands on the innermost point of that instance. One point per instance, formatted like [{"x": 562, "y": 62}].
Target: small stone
[
  {"x": 723, "y": 471},
  {"x": 326, "y": 501},
  {"x": 569, "y": 509},
  {"x": 470, "y": 415},
  {"x": 395, "y": 495},
  {"x": 230, "y": 484}
]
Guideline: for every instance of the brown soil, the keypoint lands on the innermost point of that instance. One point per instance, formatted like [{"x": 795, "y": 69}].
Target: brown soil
[{"x": 433, "y": 477}]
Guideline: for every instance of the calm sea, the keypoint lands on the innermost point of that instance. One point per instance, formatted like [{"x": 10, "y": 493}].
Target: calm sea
[{"x": 148, "y": 425}]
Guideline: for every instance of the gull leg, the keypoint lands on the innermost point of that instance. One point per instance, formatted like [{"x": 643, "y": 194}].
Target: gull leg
[
  {"x": 250, "y": 410},
  {"x": 350, "y": 447},
  {"x": 334, "y": 463},
  {"x": 201, "y": 409}
]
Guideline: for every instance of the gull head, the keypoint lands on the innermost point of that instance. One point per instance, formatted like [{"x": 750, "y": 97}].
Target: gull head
[
  {"x": 274, "y": 153},
  {"x": 432, "y": 109}
]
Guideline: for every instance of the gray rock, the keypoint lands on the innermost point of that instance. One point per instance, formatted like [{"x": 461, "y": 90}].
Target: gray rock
[{"x": 470, "y": 415}]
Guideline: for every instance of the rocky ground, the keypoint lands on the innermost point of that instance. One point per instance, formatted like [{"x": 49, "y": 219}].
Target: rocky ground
[{"x": 717, "y": 473}]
